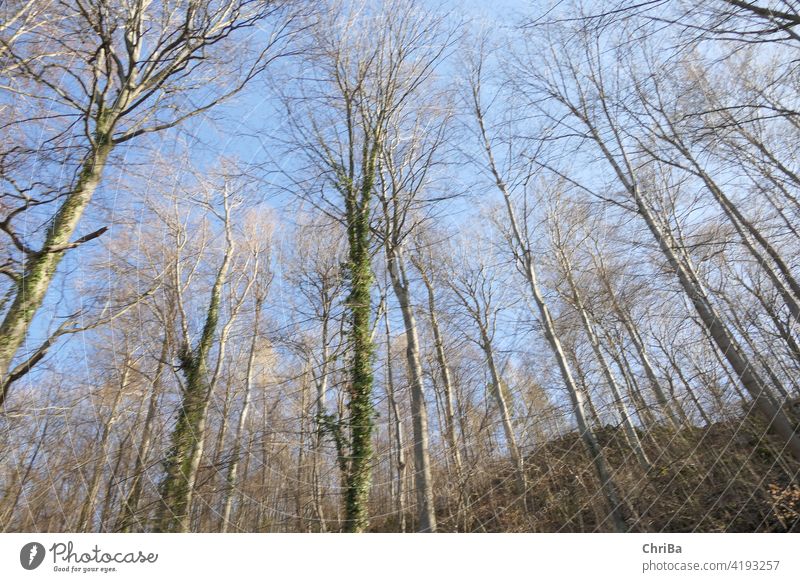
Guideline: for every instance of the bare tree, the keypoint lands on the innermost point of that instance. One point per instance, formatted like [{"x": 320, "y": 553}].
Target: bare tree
[
  {"x": 134, "y": 68},
  {"x": 520, "y": 243},
  {"x": 261, "y": 268},
  {"x": 562, "y": 231},
  {"x": 583, "y": 94},
  {"x": 370, "y": 65},
  {"x": 188, "y": 436},
  {"x": 407, "y": 163},
  {"x": 475, "y": 289}
]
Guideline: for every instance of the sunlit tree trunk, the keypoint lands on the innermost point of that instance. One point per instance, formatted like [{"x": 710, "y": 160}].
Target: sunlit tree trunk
[
  {"x": 525, "y": 260},
  {"x": 444, "y": 370},
  {"x": 423, "y": 481},
  {"x": 188, "y": 436}
]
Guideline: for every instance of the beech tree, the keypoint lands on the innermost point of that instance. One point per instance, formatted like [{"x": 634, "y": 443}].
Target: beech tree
[
  {"x": 407, "y": 163},
  {"x": 370, "y": 65},
  {"x": 520, "y": 242},
  {"x": 547, "y": 282},
  {"x": 581, "y": 91},
  {"x": 108, "y": 73}
]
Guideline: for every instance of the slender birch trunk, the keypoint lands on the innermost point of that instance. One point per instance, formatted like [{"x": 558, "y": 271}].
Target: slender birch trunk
[
  {"x": 577, "y": 396},
  {"x": 321, "y": 381},
  {"x": 444, "y": 369}
]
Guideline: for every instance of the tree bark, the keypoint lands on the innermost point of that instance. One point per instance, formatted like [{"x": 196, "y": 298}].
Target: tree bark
[
  {"x": 576, "y": 395},
  {"x": 130, "y": 506},
  {"x": 358, "y": 477},
  {"x": 34, "y": 282},
  {"x": 444, "y": 369},
  {"x": 423, "y": 481},
  {"x": 505, "y": 418},
  {"x": 188, "y": 436}
]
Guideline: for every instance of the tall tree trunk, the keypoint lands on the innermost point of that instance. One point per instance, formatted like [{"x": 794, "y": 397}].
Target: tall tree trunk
[
  {"x": 691, "y": 392},
  {"x": 580, "y": 373},
  {"x": 423, "y": 481},
  {"x": 728, "y": 346},
  {"x": 188, "y": 436},
  {"x": 578, "y": 398},
  {"x": 222, "y": 432},
  {"x": 300, "y": 470},
  {"x": 505, "y": 418},
  {"x": 183, "y": 460},
  {"x": 321, "y": 381},
  {"x": 444, "y": 369},
  {"x": 358, "y": 475},
  {"x": 32, "y": 286}
]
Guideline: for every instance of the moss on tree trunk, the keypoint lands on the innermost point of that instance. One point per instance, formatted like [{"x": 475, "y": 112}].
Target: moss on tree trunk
[{"x": 32, "y": 286}]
